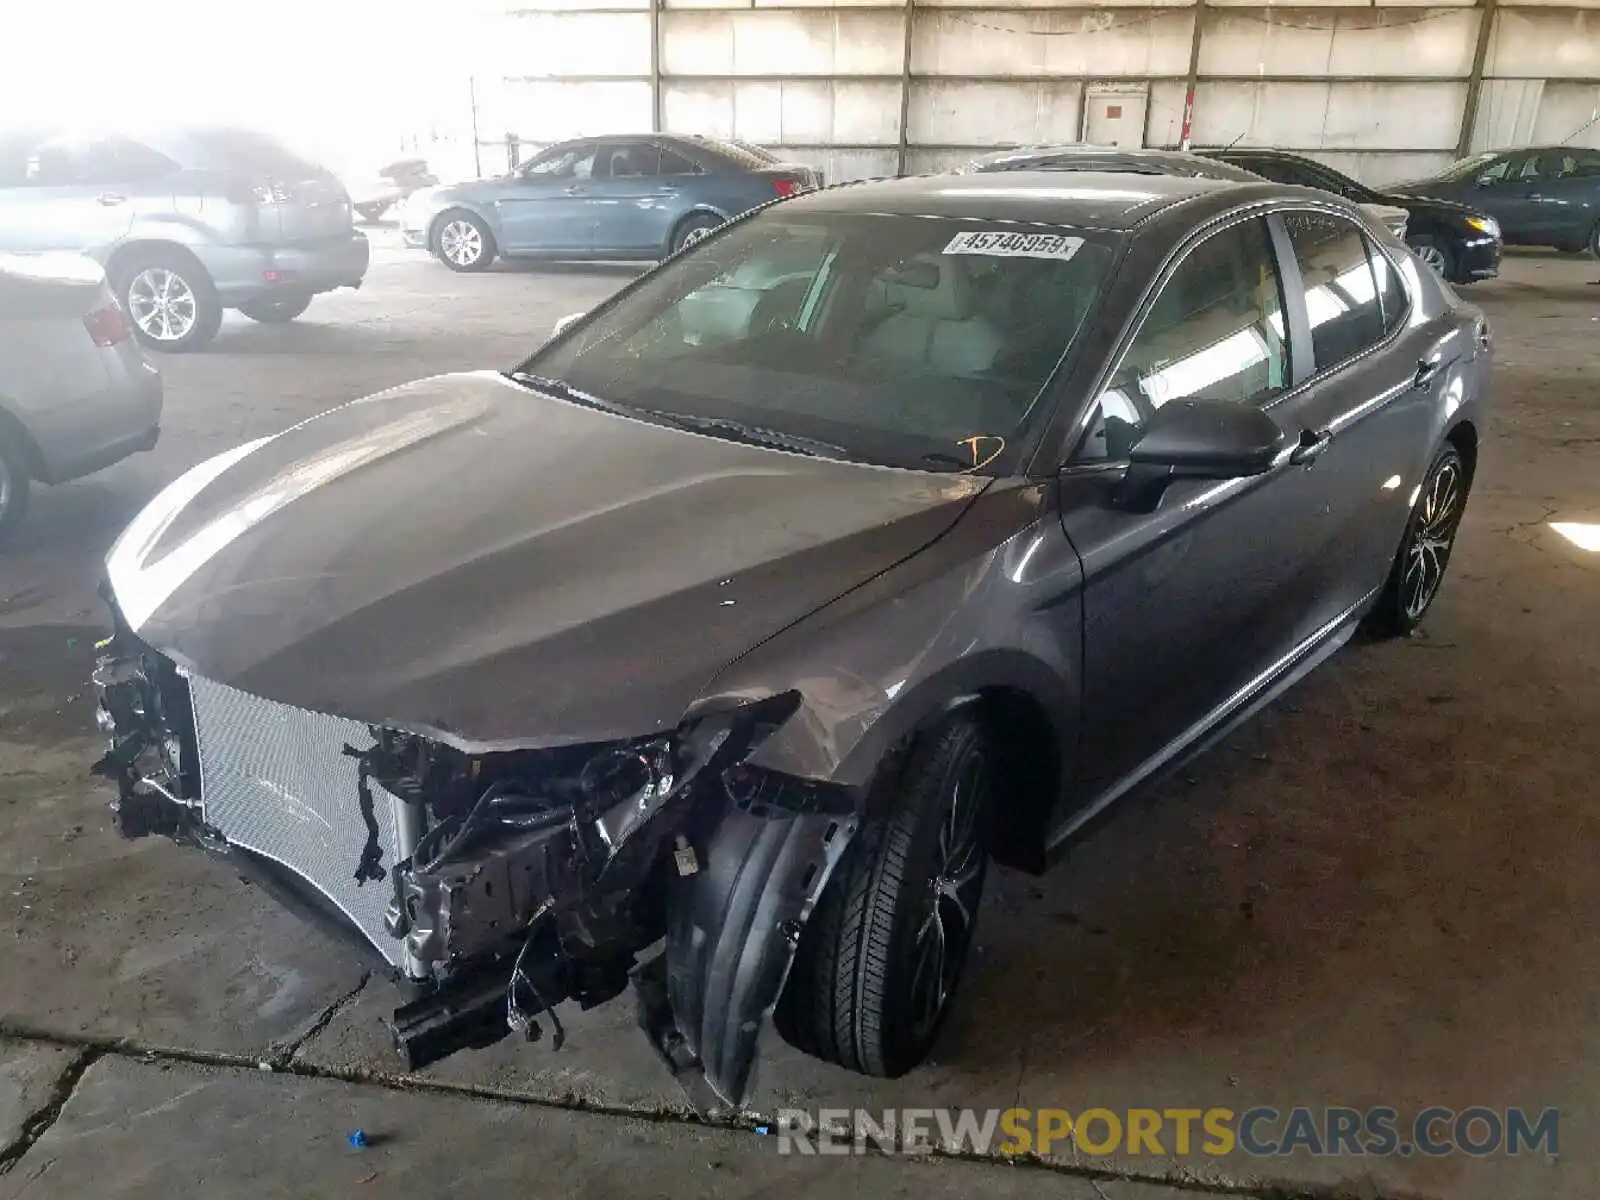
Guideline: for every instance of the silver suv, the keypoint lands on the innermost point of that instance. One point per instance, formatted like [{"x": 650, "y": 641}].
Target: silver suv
[{"x": 186, "y": 221}]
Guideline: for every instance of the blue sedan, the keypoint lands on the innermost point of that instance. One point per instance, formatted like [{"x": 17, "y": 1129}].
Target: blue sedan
[{"x": 619, "y": 197}]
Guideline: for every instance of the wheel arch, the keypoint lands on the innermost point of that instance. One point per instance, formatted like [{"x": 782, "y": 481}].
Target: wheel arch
[
  {"x": 131, "y": 250},
  {"x": 436, "y": 223},
  {"x": 32, "y": 457},
  {"x": 1463, "y": 435}
]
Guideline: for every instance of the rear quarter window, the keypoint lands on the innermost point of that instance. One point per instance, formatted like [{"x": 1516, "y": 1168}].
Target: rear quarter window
[{"x": 248, "y": 151}]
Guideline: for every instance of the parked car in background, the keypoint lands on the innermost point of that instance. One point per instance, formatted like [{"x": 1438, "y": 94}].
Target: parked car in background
[
  {"x": 1459, "y": 243},
  {"x": 76, "y": 393},
  {"x": 1540, "y": 195},
  {"x": 187, "y": 221},
  {"x": 1140, "y": 161},
  {"x": 623, "y": 197},
  {"x": 373, "y": 193},
  {"x": 751, "y": 630}
]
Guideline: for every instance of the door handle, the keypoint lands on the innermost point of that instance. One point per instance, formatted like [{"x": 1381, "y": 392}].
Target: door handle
[
  {"x": 1427, "y": 368},
  {"x": 1311, "y": 447},
  {"x": 112, "y": 198},
  {"x": 575, "y": 190}
]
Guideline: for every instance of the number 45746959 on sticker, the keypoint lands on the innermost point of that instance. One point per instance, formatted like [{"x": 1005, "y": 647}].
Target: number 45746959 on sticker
[{"x": 1005, "y": 244}]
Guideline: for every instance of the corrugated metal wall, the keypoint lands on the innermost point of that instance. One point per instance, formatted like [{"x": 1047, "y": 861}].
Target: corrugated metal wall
[{"x": 869, "y": 87}]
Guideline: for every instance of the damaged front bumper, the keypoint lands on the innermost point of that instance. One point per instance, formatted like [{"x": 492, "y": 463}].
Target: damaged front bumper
[{"x": 496, "y": 887}]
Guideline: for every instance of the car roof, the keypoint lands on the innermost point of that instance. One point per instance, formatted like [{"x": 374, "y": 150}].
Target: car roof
[{"x": 1084, "y": 199}]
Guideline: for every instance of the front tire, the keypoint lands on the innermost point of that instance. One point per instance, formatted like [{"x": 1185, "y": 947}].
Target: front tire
[
  {"x": 879, "y": 960},
  {"x": 1419, "y": 565},
  {"x": 169, "y": 299},
  {"x": 276, "y": 311},
  {"x": 462, "y": 242},
  {"x": 1435, "y": 254},
  {"x": 15, "y": 484},
  {"x": 372, "y": 213}
]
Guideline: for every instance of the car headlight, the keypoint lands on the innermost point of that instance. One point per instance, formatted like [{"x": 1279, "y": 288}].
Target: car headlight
[{"x": 1486, "y": 225}]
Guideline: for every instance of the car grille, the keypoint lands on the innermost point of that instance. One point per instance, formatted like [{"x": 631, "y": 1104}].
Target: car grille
[{"x": 275, "y": 779}]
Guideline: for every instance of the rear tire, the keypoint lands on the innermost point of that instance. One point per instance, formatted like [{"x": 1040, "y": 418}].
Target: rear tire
[
  {"x": 692, "y": 229},
  {"x": 15, "y": 484},
  {"x": 462, "y": 242},
  {"x": 276, "y": 311},
  {"x": 169, "y": 299},
  {"x": 880, "y": 958},
  {"x": 1417, "y": 573}
]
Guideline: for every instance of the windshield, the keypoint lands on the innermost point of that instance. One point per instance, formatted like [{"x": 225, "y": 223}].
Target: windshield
[
  {"x": 1462, "y": 168},
  {"x": 903, "y": 340}
]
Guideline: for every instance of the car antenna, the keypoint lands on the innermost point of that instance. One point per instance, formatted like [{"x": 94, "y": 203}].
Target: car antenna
[
  {"x": 1235, "y": 141},
  {"x": 1580, "y": 128}
]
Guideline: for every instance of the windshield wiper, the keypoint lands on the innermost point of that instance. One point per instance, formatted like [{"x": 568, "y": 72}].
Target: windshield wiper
[
  {"x": 563, "y": 390},
  {"x": 753, "y": 435}
]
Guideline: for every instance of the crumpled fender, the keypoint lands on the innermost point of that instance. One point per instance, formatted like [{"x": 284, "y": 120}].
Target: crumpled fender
[{"x": 732, "y": 930}]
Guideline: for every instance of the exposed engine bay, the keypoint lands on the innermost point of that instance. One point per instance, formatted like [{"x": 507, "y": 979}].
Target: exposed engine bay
[{"x": 496, "y": 887}]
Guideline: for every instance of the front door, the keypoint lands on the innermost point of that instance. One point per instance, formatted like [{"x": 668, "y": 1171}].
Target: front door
[
  {"x": 547, "y": 206},
  {"x": 67, "y": 195},
  {"x": 1507, "y": 189},
  {"x": 1186, "y": 606}
]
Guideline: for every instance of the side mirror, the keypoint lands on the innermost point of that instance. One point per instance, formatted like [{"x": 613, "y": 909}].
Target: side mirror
[
  {"x": 1483, "y": 181},
  {"x": 566, "y": 323},
  {"x": 1198, "y": 439}
]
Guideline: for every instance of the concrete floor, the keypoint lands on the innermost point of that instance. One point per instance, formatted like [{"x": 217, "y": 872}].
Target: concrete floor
[{"x": 1381, "y": 893}]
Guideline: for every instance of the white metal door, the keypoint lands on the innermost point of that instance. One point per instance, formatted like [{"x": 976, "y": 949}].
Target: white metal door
[{"x": 1114, "y": 117}]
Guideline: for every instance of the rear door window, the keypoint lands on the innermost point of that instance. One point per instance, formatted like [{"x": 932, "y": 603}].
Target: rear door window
[
  {"x": 673, "y": 163},
  {"x": 1341, "y": 289},
  {"x": 628, "y": 160}
]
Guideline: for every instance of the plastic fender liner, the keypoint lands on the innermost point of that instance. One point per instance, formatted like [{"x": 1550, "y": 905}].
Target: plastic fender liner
[{"x": 732, "y": 929}]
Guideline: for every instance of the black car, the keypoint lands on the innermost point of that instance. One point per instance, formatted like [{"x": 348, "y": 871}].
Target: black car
[
  {"x": 885, "y": 529},
  {"x": 1541, "y": 195},
  {"x": 1151, "y": 161},
  {"x": 1460, "y": 243}
]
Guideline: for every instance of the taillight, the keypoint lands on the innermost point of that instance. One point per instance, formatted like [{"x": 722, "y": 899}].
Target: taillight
[
  {"x": 106, "y": 325},
  {"x": 787, "y": 187}
]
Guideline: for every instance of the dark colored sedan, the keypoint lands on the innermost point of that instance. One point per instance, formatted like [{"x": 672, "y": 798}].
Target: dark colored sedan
[
  {"x": 1541, "y": 196},
  {"x": 1459, "y": 243},
  {"x": 1145, "y": 161},
  {"x": 625, "y": 197},
  {"x": 887, "y": 529}
]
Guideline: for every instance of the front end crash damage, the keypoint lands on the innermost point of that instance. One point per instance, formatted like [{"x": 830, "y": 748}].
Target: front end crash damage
[{"x": 510, "y": 882}]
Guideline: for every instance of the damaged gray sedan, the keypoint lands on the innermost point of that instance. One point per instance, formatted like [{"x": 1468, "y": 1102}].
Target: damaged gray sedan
[{"x": 713, "y": 652}]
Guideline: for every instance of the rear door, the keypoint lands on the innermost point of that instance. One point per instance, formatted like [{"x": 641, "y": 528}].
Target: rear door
[
  {"x": 1362, "y": 417},
  {"x": 640, "y": 190},
  {"x": 1187, "y": 607},
  {"x": 548, "y": 206}
]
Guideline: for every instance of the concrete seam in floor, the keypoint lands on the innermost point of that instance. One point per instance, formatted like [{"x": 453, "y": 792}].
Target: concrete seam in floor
[
  {"x": 287, "y": 1052},
  {"x": 38, "y": 1123},
  {"x": 92, "y": 1048}
]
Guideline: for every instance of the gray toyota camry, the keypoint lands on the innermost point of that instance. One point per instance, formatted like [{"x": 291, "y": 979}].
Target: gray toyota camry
[{"x": 715, "y": 650}]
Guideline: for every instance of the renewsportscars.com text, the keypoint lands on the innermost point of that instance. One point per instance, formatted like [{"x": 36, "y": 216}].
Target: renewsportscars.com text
[{"x": 1262, "y": 1132}]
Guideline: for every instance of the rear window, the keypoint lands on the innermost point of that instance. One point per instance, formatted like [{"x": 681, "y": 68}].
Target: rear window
[
  {"x": 249, "y": 151},
  {"x": 906, "y": 340},
  {"x": 748, "y": 157}
]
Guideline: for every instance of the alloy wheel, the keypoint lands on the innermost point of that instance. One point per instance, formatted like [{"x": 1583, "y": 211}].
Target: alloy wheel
[
  {"x": 959, "y": 857},
  {"x": 461, "y": 243},
  {"x": 1433, "y": 258},
  {"x": 162, "y": 304},
  {"x": 698, "y": 234},
  {"x": 1434, "y": 537}
]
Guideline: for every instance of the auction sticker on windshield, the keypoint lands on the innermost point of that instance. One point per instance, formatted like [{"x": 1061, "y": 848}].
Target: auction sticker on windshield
[{"x": 1004, "y": 244}]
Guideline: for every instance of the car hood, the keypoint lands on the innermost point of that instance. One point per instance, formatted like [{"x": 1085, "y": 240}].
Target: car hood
[
  {"x": 474, "y": 560},
  {"x": 1411, "y": 196}
]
